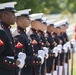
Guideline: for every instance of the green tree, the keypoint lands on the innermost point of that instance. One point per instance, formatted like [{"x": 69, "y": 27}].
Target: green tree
[{"x": 45, "y": 6}]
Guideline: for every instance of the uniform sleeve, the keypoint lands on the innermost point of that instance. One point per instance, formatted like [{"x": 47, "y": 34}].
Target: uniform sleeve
[
  {"x": 19, "y": 44},
  {"x": 4, "y": 61},
  {"x": 2, "y": 41}
]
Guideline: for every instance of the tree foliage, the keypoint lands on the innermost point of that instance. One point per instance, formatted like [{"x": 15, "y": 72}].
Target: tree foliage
[{"x": 45, "y": 6}]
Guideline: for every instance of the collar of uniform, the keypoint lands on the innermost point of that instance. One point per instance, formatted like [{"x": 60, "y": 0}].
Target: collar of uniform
[
  {"x": 34, "y": 30},
  {"x": 21, "y": 29},
  {"x": 49, "y": 34},
  {"x": 54, "y": 34},
  {"x": 3, "y": 24},
  {"x": 41, "y": 32}
]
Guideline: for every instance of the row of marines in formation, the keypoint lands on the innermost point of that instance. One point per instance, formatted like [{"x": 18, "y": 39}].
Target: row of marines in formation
[{"x": 44, "y": 50}]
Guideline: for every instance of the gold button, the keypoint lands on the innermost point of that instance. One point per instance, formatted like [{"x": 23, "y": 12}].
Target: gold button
[
  {"x": 14, "y": 40},
  {"x": 40, "y": 42},
  {"x": 25, "y": 65},
  {"x": 32, "y": 46},
  {"x": 5, "y": 60},
  {"x": 2, "y": 25},
  {"x": 46, "y": 38},
  {"x": 33, "y": 53},
  {"x": 14, "y": 51},
  {"x": 33, "y": 49},
  {"x": 13, "y": 63},
  {"x": 36, "y": 61},
  {"x": 28, "y": 43},
  {"x": 33, "y": 61},
  {"x": 9, "y": 27},
  {"x": 9, "y": 62},
  {"x": 10, "y": 42},
  {"x": 36, "y": 31},
  {"x": 24, "y": 30},
  {"x": 18, "y": 30}
]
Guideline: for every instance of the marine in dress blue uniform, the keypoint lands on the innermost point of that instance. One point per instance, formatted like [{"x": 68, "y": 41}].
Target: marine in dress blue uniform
[
  {"x": 35, "y": 26},
  {"x": 41, "y": 35},
  {"x": 27, "y": 44},
  {"x": 50, "y": 45},
  {"x": 63, "y": 57},
  {"x": 8, "y": 63}
]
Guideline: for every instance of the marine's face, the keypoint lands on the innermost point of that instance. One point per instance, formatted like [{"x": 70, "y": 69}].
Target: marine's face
[
  {"x": 36, "y": 24},
  {"x": 26, "y": 21},
  {"x": 11, "y": 18},
  {"x": 43, "y": 27}
]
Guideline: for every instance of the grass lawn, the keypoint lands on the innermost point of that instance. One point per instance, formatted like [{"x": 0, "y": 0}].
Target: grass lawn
[{"x": 74, "y": 66}]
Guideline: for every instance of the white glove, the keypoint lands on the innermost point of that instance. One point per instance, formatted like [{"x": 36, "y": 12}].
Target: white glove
[
  {"x": 46, "y": 51},
  {"x": 73, "y": 41},
  {"x": 68, "y": 45},
  {"x": 55, "y": 50},
  {"x": 22, "y": 62},
  {"x": 41, "y": 55},
  {"x": 21, "y": 58},
  {"x": 59, "y": 48},
  {"x": 22, "y": 55},
  {"x": 65, "y": 48}
]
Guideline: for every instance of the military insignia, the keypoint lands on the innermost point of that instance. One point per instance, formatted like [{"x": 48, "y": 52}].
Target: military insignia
[
  {"x": 42, "y": 44},
  {"x": 19, "y": 45},
  {"x": 1, "y": 43},
  {"x": 34, "y": 42}
]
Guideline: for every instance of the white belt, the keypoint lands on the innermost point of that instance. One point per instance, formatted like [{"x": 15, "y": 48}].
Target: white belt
[{"x": 10, "y": 57}]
